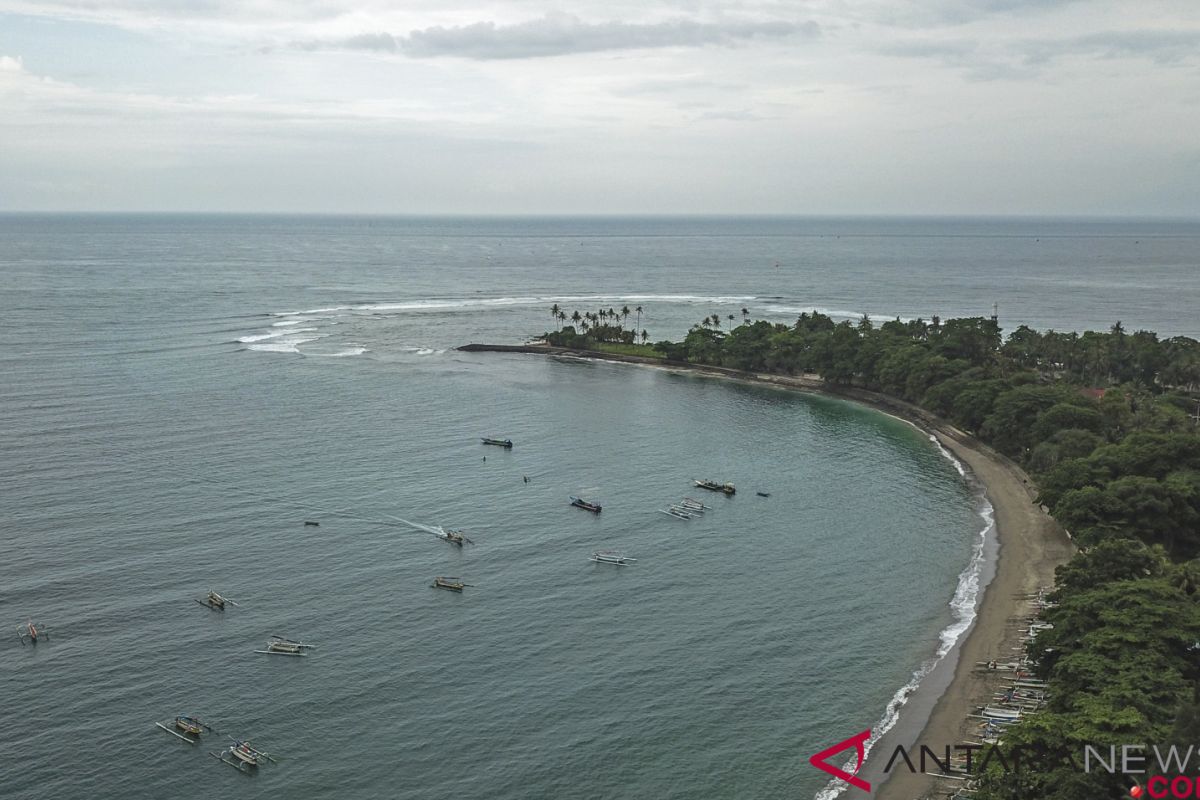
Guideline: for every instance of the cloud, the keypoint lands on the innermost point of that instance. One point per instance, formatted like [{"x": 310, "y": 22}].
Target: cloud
[
  {"x": 559, "y": 34},
  {"x": 1160, "y": 46}
]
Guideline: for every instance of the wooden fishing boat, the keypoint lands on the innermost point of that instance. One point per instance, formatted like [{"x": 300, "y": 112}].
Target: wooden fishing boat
[
  {"x": 692, "y": 502},
  {"x": 31, "y": 632},
  {"x": 191, "y": 727},
  {"x": 611, "y": 557},
  {"x": 763, "y": 494},
  {"x": 453, "y": 584},
  {"x": 714, "y": 486},
  {"x": 215, "y": 601},
  {"x": 579, "y": 502},
  {"x": 452, "y": 536},
  {"x": 505, "y": 443},
  {"x": 279, "y": 646},
  {"x": 242, "y": 756},
  {"x": 671, "y": 512}
]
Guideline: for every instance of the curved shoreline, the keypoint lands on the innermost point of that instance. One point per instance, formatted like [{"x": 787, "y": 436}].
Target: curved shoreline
[{"x": 1030, "y": 546}]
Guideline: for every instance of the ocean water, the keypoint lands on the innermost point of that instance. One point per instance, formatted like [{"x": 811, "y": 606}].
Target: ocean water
[{"x": 181, "y": 393}]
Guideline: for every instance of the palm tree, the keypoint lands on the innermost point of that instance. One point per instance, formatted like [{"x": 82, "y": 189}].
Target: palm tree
[
  {"x": 731, "y": 322},
  {"x": 554, "y": 309},
  {"x": 639, "y": 313},
  {"x": 716, "y": 320},
  {"x": 625, "y": 314},
  {"x": 745, "y": 314},
  {"x": 562, "y": 317},
  {"x": 576, "y": 318},
  {"x": 645, "y": 336}
]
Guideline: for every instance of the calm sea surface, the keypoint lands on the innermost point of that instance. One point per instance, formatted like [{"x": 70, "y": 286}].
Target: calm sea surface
[{"x": 180, "y": 394}]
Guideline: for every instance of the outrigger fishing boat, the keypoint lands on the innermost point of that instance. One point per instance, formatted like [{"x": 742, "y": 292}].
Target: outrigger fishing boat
[
  {"x": 453, "y": 584},
  {"x": 215, "y": 601},
  {"x": 191, "y": 726},
  {"x": 611, "y": 557},
  {"x": 713, "y": 486},
  {"x": 505, "y": 443},
  {"x": 692, "y": 502},
  {"x": 674, "y": 511},
  {"x": 579, "y": 502},
  {"x": 241, "y": 756},
  {"x": 452, "y": 536},
  {"x": 279, "y": 646},
  {"x": 31, "y": 632}
]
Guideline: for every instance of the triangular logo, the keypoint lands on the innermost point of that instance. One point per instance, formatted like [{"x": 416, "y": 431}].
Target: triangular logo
[{"x": 858, "y": 742}]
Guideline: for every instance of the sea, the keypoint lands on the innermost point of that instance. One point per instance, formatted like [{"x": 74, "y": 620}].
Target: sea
[{"x": 182, "y": 394}]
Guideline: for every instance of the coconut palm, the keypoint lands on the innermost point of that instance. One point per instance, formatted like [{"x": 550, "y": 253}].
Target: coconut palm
[
  {"x": 716, "y": 320},
  {"x": 554, "y": 309},
  {"x": 731, "y": 322},
  {"x": 639, "y": 313},
  {"x": 576, "y": 318},
  {"x": 645, "y": 336},
  {"x": 624, "y": 314},
  {"x": 562, "y": 317},
  {"x": 745, "y": 314}
]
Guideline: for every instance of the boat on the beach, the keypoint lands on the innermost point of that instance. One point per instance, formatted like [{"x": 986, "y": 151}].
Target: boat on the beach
[
  {"x": 31, "y": 632},
  {"x": 215, "y": 601},
  {"x": 279, "y": 646},
  {"x": 586, "y": 505},
  {"x": 452, "y": 584},
  {"x": 611, "y": 557},
  {"x": 505, "y": 443},
  {"x": 715, "y": 486}
]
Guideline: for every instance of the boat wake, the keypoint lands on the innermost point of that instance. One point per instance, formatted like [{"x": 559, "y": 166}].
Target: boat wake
[{"x": 963, "y": 606}]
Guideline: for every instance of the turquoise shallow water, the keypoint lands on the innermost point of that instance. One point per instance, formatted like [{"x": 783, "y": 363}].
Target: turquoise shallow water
[{"x": 163, "y": 437}]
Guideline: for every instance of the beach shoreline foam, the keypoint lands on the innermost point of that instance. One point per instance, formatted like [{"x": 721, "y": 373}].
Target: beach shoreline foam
[{"x": 1026, "y": 547}]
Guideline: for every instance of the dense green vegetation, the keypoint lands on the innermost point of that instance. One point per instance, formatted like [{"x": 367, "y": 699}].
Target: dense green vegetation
[{"x": 1103, "y": 421}]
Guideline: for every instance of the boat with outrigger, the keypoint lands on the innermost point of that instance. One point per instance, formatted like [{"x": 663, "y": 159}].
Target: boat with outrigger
[
  {"x": 31, "y": 632},
  {"x": 185, "y": 727},
  {"x": 215, "y": 601},
  {"x": 279, "y": 646},
  {"x": 450, "y": 584},
  {"x": 242, "y": 756},
  {"x": 452, "y": 535},
  {"x": 505, "y": 443},
  {"x": 611, "y": 557},
  {"x": 586, "y": 505},
  {"x": 715, "y": 486}
]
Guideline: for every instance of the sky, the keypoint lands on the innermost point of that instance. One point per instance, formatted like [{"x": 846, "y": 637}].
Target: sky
[{"x": 910, "y": 107}]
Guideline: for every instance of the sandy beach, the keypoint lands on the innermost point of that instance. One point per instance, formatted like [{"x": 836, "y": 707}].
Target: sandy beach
[{"x": 1031, "y": 546}]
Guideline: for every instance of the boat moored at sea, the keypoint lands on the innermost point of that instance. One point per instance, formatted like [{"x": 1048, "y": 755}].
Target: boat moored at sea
[
  {"x": 586, "y": 505},
  {"x": 185, "y": 727},
  {"x": 714, "y": 486},
  {"x": 279, "y": 646},
  {"x": 215, "y": 601},
  {"x": 505, "y": 443},
  {"x": 451, "y": 584},
  {"x": 31, "y": 632},
  {"x": 242, "y": 756},
  {"x": 611, "y": 557}
]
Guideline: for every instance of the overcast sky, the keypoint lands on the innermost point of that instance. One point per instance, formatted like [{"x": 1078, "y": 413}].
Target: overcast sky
[{"x": 756, "y": 107}]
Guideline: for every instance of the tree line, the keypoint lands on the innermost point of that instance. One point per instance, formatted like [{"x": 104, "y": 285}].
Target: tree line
[{"x": 1106, "y": 422}]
